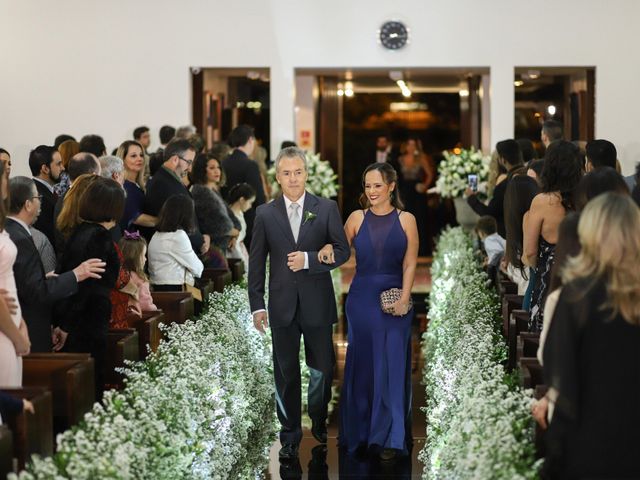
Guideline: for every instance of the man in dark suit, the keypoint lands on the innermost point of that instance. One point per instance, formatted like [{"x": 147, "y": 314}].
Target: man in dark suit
[
  {"x": 291, "y": 231},
  {"x": 46, "y": 166},
  {"x": 167, "y": 181},
  {"x": 239, "y": 168},
  {"x": 36, "y": 290}
]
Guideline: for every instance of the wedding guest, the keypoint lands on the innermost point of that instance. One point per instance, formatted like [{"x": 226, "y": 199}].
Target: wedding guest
[
  {"x": 534, "y": 169},
  {"x": 60, "y": 139},
  {"x": 14, "y": 337},
  {"x": 528, "y": 150},
  {"x": 220, "y": 150},
  {"x": 510, "y": 157},
  {"x": 600, "y": 180},
  {"x": 5, "y": 158},
  {"x": 132, "y": 154},
  {"x": 37, "y": 292},
  {"x": 83, "y": 319},
  {"x": 69, "y": 217},
  {"x": 214, "y": 216},
  {"x": 240, "y": 169},
  {"x": 497, "y": 173},
  {"x": 93, "y": 144},
  {"x": 551, "y": 131},
  {"x": 45, "y": 249},
  {"x": 143, "y": 137},
  {"x": 600, "y": 153},
  {"x": 521, "y": 191},
  {"x": 112, "y": 167},
  {"x": 167, "y": 132},
  {"x": 591, "y": 355},
  {"x": 11, "y": 406},
  {"x": 560, "y": 176},
  {"x": 494, "y": 244},
  {"x": 241, "y": 197},
  {"x": 67, "y": 150},
  {"x": 167, "y": 181},
  {"x": 185, "y": 132},
  {"x": 45, "y": 164},
  {"x": 172, "y": 261}
]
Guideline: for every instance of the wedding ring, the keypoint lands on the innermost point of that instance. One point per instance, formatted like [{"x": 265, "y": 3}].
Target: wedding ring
[{"x": 324, "y": 257}]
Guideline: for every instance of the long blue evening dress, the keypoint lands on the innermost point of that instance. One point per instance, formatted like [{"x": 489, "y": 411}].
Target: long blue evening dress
[{"x": 375, "y": 404}]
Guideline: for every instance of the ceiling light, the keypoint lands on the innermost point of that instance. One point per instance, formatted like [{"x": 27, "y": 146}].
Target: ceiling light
[
  {"x": 340, "y": 92},
  {"x": 463, "y": 92},
  {"x": 551, "y": 109},
  {"x": 518, "y": 83},
  {"x": 348, "y": 92}
]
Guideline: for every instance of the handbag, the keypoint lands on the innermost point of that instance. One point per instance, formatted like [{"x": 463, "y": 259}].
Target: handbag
[{"x": 391, "y": 296}]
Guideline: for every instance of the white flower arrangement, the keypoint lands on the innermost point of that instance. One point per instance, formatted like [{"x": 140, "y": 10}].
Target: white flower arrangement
[
  {"x": 478, "y": 423},
  {"x": 201, "y": 407},
  {"x": 454, "y": 170},
  {"x": 322, "y": 179}
]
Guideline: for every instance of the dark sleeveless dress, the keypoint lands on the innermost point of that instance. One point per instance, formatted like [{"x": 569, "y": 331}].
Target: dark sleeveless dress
[
  {"x": 546, "y": 255},
  {"x": 375, "y": 404}
]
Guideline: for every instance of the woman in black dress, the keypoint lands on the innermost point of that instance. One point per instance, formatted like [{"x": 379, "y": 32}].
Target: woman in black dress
[
  {"x": 592, "y": 352},
  {"x": 85, "y": 315}
]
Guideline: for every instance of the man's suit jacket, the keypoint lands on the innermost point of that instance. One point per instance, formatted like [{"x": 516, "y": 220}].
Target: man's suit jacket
[
  {"x": 45, "y": 220},
  {"x": 313, "y": 288},
  {"x": 160, "y": 187},
  {"x": 36, "y": 293},
  {"x": 239, "y": 168}
]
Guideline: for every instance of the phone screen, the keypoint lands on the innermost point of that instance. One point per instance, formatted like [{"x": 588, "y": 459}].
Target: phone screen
[{"x": 473, "y": 182}]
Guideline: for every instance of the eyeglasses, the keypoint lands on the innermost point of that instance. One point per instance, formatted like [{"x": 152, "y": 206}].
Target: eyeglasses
[{"x": 189, "y": 162}]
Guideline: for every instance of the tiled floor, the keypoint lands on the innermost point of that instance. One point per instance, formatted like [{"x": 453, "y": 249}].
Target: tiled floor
[{"x": 318, "y": 462}]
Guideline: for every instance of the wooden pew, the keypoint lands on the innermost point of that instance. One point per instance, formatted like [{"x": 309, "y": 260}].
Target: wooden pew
[
  {"x": 6, "y": 451},
  {"x": 236, "y": 265},
  {"x": 149, "y": 333},
  {"x": 71, "y": 379},
  {"x": 530, "y": 372},
  {"x": 207, "y": 288},
  {"x": 32, "y": 433},
  {"x": 518, "y": 323},
  {"x": 177, "y": 306},
  {"x": 221, "y": 277},
  {"x": 122, "y": 344},
  {"x": 506, "y": 286},
  {"x": 527, "y": 345},
  {"x": 510, "y": 302}
]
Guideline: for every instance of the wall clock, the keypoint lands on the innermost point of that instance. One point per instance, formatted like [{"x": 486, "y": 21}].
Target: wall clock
[{"x": 393, "y": 35}]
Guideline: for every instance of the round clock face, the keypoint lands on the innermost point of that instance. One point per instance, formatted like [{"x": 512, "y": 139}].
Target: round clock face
[{"x": 394, "y": 35}]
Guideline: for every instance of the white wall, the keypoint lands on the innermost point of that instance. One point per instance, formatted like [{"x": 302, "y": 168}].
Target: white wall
[{"x": 88, "y": 66}]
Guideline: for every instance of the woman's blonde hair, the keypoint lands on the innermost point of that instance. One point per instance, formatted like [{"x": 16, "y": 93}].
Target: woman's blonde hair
[
  {"x": 122, "y": 152},
  {"x": 609, "y": 232},
  {"x": 69, "y": 217}
]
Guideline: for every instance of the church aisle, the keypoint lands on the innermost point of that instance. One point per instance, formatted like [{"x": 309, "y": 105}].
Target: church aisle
[{"x": 320, "y": 463}]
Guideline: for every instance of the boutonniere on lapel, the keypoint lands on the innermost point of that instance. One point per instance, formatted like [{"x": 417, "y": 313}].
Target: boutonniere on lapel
[{"x": 308, "y": 216}]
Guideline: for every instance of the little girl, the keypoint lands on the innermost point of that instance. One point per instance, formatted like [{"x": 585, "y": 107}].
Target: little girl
[
  {"x": 133, "y": 249},
  {"x": 240, "y": 199}
]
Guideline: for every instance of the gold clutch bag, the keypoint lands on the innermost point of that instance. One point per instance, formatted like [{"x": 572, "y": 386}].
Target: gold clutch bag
[{"x": 391, "y": 296}]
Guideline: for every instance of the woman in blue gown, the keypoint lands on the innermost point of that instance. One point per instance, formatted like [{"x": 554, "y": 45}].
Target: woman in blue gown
[{"x": 375, "y": 404}]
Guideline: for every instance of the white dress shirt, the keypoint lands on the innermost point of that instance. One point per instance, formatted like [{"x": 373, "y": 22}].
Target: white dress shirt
[{"x": 172, "y": 260}]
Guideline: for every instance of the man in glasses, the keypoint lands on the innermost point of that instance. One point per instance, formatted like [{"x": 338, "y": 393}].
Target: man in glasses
[{"x": 167, "y": 181}]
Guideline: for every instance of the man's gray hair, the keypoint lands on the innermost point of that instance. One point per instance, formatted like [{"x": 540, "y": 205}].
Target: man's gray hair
[
  {"x": 185, "y": 131},
  {"x": 110, "y": 164},
  {"x": 291, "y": 152}
]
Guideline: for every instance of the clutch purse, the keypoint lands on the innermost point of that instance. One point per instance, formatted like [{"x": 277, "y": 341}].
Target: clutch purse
[{"x": 389, "y": 297}]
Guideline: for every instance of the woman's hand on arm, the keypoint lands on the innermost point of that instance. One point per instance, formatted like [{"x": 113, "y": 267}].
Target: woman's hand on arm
[
  {"x": 326, "y": 254},
  {"x": 145, "y": 220}
]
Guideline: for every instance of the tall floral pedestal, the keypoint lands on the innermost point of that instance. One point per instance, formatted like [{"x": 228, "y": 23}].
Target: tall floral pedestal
[{"x": 465, "y": 215}]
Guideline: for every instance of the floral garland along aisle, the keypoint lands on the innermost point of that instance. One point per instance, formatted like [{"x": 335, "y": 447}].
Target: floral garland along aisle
[
  {"x": 201, "y": 407},
  {"x": 478, "y": 420}
]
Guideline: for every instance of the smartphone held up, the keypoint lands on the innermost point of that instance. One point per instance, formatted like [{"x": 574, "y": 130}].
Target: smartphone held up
[{"x": 473, "y": 182}]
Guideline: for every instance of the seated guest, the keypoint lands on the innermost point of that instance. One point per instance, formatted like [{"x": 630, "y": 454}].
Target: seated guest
[
  {"x": 486, "y": 229},
  {"x": 212, "y": 213},
  {"x": 69, "y": 217},
  {"x": 591, "y": 355},
  {"x": 600, "y": 153},
  {"x": 67, "y": 150},
  {"x": 241, "y": 198},
  {"x": 560, "y": 176},
  {"x": 36, "y": 291},
  {"x": 80, "y": 164},
  {"x": 600, "y": 180},
  {"x": 172, "y": 261},
  {"x": 132, "y": 155},
  {"x": 83, "y": 318},
  {"x": 510, "y": 157},
  {"x": 168, "y": 181},
  {"x": 46, "y": 166}
]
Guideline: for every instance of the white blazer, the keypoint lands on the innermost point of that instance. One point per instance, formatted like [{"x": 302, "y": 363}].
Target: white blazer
[{"x": 172, "y": 261}]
